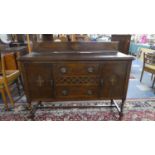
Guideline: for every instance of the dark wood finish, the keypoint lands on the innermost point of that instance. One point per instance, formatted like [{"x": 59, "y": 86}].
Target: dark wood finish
[
  {"x": 113, "y": 76},
  {"x": 76, "y": 76},
  {"x": 71, "y": 68},
  {"x": 47, "y": 37},
  {"x": 74, "y": 46},
  {"x": 41, "y": 72},
  {"x": 124, "y": 42}
]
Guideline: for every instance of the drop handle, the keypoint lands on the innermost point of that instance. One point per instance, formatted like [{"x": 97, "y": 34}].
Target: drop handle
[{"x": 101, "y": 82}]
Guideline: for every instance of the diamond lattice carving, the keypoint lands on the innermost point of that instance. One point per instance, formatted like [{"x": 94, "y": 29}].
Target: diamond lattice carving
[{"x": 77, "y": 80}]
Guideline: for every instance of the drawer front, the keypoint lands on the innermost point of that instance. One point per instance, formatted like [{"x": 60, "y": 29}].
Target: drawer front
[
  {"x": 39, "y": 80},
  {"x": 77, "y": 80},
  {"x": 113, "y": 79},
  {"x": 66, "y": 92},
  {"x": 68, "y": 69}
]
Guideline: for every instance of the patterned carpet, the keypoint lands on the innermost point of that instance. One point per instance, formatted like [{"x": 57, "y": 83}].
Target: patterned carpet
[{"x": 134, "y": 110}]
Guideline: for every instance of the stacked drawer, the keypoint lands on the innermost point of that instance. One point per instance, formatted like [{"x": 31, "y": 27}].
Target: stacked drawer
[{"x": 76, "y": 80}]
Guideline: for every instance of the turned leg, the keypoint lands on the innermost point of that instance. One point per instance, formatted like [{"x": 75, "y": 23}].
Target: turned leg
[
  {"x": 111, "y": 103},
  {"x": 121, "y": 109},
  {"x": 32, "y": 111},
  {"x": 122, "y": 105},
  {"x": 40, "y": 103},
  {"x": 29, "y": 105}
]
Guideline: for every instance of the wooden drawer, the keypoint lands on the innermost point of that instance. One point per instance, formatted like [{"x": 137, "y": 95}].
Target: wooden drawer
[
  {"x": 68, "y": 69},
  {"x": 67, "y": 92}
]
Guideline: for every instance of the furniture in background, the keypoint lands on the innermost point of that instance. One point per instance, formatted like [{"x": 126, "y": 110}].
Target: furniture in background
[
  {"x": 148, "y": 65},
  {"x": 87, "y": 74},
  {"x": 13, "y": 40},
  {"x": 11, "y": 55},
  {"x": 10, "y": 71},
  {"x": 124, "y": 42},
  {"x": 47, "y": 37},
  {"x": 7, "y": 78},
  {"x": 136, "y": 47},
  {"x": 142, "y": 51},
  {"x": 77, "y": 37},
  {"x": 17, "y": 44}
]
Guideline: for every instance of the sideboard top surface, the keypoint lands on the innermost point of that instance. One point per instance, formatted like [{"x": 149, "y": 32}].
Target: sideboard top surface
[{"x": 74, "y": 56}]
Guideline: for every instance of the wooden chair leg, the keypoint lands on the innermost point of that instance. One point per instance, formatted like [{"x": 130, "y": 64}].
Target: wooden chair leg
[
  {"x": 153, "y": 82},
  {"x": 141, "y": 75},
  {"x": 4, "y": 98},
  {"x": 9, "y": 93},
  {"x": 151, "y": 76}
]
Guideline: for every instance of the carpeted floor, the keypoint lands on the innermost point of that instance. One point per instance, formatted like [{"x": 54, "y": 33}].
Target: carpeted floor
[
  {"x": 136, "y": 88},
  {"x": 134, "y": 110}
]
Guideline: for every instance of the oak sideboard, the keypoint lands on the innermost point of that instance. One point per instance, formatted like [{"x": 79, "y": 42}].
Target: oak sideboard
[{"x": 72, "y": 76}]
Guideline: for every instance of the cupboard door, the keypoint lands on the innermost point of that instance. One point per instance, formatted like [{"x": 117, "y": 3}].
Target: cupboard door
[
  {"x": 39, "y": 80},
  {"x": 113, "y": 75}
]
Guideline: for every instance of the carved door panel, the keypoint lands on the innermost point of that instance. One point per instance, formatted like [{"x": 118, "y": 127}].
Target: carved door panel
[
  {"x": 39, "y": 79},
  {"x": 113, "y": 79}
]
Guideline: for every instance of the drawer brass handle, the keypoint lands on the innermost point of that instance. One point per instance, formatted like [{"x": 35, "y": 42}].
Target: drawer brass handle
[
  {"x": 63, "y": 70},
  {"x": 90, "y": 69},
  {"x": 89, "y": 92},
  {"x": 64, "y": 92}
]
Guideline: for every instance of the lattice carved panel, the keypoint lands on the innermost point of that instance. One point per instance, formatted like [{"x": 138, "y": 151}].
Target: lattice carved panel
[{"x": 77, "y": 80}]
